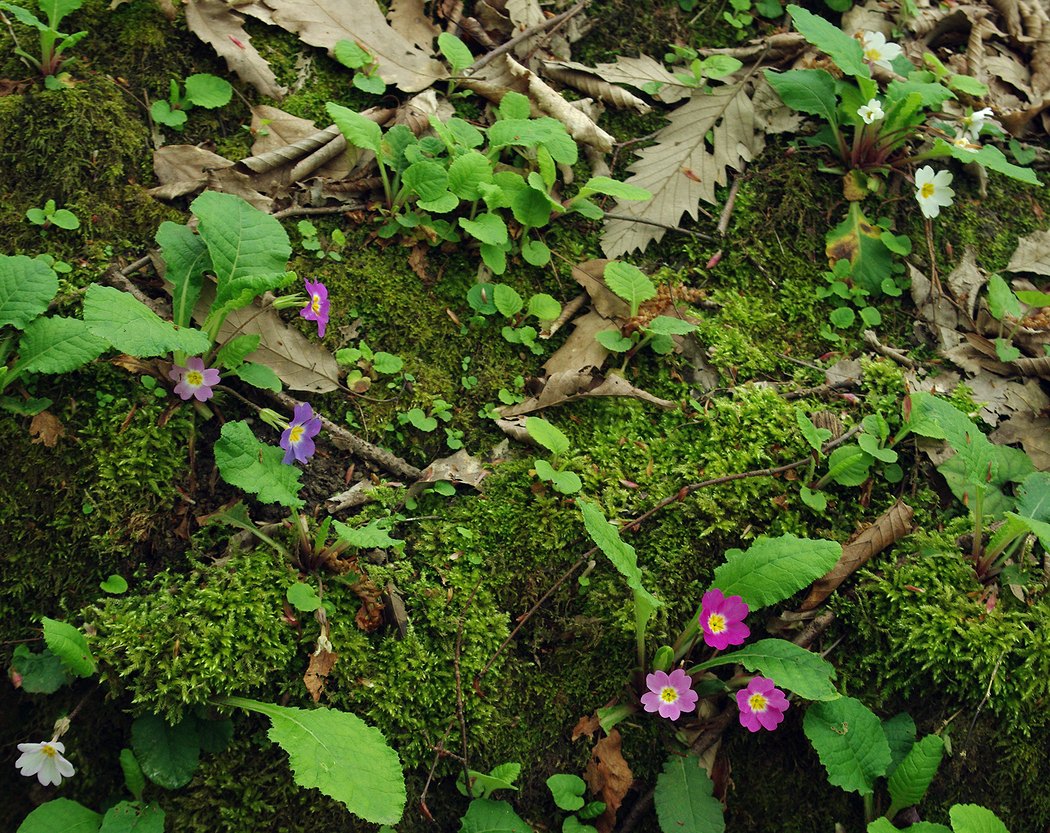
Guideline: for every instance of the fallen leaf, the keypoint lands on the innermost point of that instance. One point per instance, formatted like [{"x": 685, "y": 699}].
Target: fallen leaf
[
  {"x": 46, "y": 428},
  {"x": 572, "y": 385},
  {"x": 284, "y": 139},
  {"x": 591, "y": 83},
  {"x": 586, "y": 727},
  {"x": 409, "y": 19},
  {"x": 460, "y": 468},
  {"x": 581, "y": 349},
  {"x": 637, "y": 72},
  {"x": 1032, "y": 431},
  {"x": 322, "y": 660},
  {"x": 1032, "y": 254},
  {"x": 966, "y": 281},
  {"x": 609, "y": 778},
  {"x": 184, "y": 169},
  {"x": 215, "y": 23}
]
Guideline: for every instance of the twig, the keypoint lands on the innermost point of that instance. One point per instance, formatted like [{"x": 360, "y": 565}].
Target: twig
[
  {"x": 298, "y": 211},
  {"x": 873, "y": 342},
  {"x": 439, "y": 751},
  {"x": 631, "y": 219},
  {"x": 131, "y": 268},
  {"x": 727, "y": 211},
  {"x": 525, "y": 34}
]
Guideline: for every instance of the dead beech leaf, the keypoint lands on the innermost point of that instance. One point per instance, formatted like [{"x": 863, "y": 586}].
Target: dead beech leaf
[
  {"x": 183, "y": 169},
  {"x": 595, "y": 86},
  {"x": 889, "y": 527},
  {"x": 219, "y": 26},
  {"x": 609, "y": 777},
  {"x": 1032, "y": 431},
  {"x": 494, "y": 80},
  {"x": 325, "y": 22},
  {"x": 581, "y": 349},
  {"x": 409, "y": 19},
  {"x": 572, "y": 385},
  {"x": 460, "y": 468},
  {"x": 966, "y": 280},
  {"x": 680, "y": 170},
  {"x": 1032, "y": 254},
  {"x": 46, "y": 428},
  {"x": 283, "y": 139}
]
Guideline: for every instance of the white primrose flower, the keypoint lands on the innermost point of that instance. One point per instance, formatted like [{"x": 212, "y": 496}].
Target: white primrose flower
[
  {"x": 45, "y": 761},
  {"x": 871, "y": 112},
  {"x": 963, "y": 141},
  {"x": 877, "y": 50},
  {"x": 974, "y": 122},
  {"x": 932, "y": 190}
]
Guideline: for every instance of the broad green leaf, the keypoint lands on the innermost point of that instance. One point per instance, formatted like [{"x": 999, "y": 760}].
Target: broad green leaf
[
  {"x": 168, "y": 754},
  {"x": 186, "y": 260},
  {"x": 816, "y": 437},
  {"x": 427, "y": 180},
  {"x": 57, "y": 345},
  {"x": 968, "y": 85},
  {"x": 525, "y": 132},
  {"x": 244, "y": 244},
  {"x": 69, "y": 645},
  {"x": 115, "y": 584},
  {"x": 515, "y": 106},
  {"x": 467, "y": 173},
  {"x": 684, "y": 798},
  {"x": 630, "y": 283},
  {"x": 455, "y": 51},
  {"x": 910, "y": 780},
  {"x": 971, "y": 818},
  {"x": 1033, "y": 298},
  {"x": 772, "y": 569},
  {"x": 42, "y": 673},
  {"x": 61, "y": 815},
  {"x": 619, "y": 552},
  {"x": 809, "y": 91},
  {"x": 613, "y": 340},
  {"x": 350, "y": 55},
  {"x": 55, "y": 10},
  {"x": 237, "y": 349},
  {"x": 133, "y": 817},
  {"x": 1001, "y": 299},
  {"x": 849, "y": 465},
  {"x": 855, "y": 239},
  {"x": 464, "y": 134},
  {"x": 258, "y": 376},
  {"x": 668, "y": 325},
  {"x": 807, "y": 674},
  {"x": 372, "y": 535},
  {"x": 991, "y": 158},
  {"x": 482, "y": 785},
  {"x": 612, "y": 188},
  {"x": 24, "y": 16},
  {"x": 339, "y": 754},
  {"x": 931, "y": 95},
  {"x": 488, "y": 228},
  {"x": 65, "y": 220},
  {"x": 544, "y": 307},
  {"x": 303, "y": 597},
  {"x": 250, "y": 465},
  {"x": 215, "y": 735},
  {"x": 507, "y": 300},
  {"x": 134, "y": 777},
  {"x": 535, "y": 253},
  {"x": 360, "y": 131},
  {"x": 388, "y": 363},
  {"x": 900, "y": 735},
  {"x": 132, "y": 327},
  {"x": 26, "y": 288},
  {"x": 487, "y": 816},
  {"x": 566, "y": 482},
  {"x": 1033, "y": 496},
  {"x": 845, "y": 51},
  {"x": 160, "y": 111},
  {"x": 567, "y": 791},
  {"x": 547, "y": 435},
  {"x": 208, "y": 91},
  {"x": 850, "y": 743}
]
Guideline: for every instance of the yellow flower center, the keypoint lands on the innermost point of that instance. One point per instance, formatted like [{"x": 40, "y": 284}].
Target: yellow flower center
[
  {"x": 872, "y": 54},
  {"x": 194, "y": 378},
  {"x": 296, "y": 435},
  {"x": 757, "y": 702},
  {"x": 669, "y": 694},
  {"x": 315, "y": 302},
  {"x": 926, "y": 191},
  {"x": 716, "y": 623},
  {"x": 49, "y": 750}
]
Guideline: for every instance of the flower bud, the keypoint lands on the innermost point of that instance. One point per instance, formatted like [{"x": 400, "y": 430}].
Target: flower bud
[{"x": 664, "y": 658}]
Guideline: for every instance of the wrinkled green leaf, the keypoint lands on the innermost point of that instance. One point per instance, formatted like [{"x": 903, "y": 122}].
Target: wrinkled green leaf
[
  {"x": 772, "y": 569},
  {"x": 850, "y": 743},
  {"x": 250, "y": 465}
]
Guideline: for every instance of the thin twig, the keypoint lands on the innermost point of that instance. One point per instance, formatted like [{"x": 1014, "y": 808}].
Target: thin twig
[
  {"x": 727, "y": 211},
  {"x": 873, "y": 342},
  {"x": 298, "y": 211},
  {"x": 525, "y": 34}
]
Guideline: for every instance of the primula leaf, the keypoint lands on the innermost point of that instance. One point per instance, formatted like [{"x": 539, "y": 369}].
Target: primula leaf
[
  {"x": 339, "y": 754},
  {"x": 65, "y": 219},
  {"x": 482, "y": 785},
  {"x": 250, "y": 465},
  {"x": 115, "y": 584},
  {"x": 809, "y": 91},
  {"x": 360, "y": 131},
  {"x": 56, "y": 10},
  {"x": 24, "y": 16},
  {"x": 536, "y": 253},
  {"x": 855, "y": 239},
  {"x": 668, "y": 325},
  {"x": 684, "y": 798},
  {"x": 845, "y": 51},
  {"x": 900, "y": 735},
  {"x": 613, "y": 340},
  {"x": 849, "y": 465},
  {"x": 1033, "y": 496},
  {"x": 487, "y": 816},
  {"x": 1001, "y": 299},
  {"x": 133, "y": 817},
  {"x": 772, "y": 569},
  {"x": 132, "y": 327},
  {"x": 427, "y": 180},
  {"x": 515, "y": 106},
  {"x": 168, "y": 754},
  {"x": 991, "y": 158},
  {"x": 547, "y": 435},
  {"x": 884, "y": 825},
  {"x": 455, "y": 52},
  {"x": 488, "y": 228},
  {"x": 303, "y": 597},
  {"x": 208, "y": 91},
  {"x": 57, "y": 345},
  {"x": 816, "y": 437},
  {"x": 61, "y": 814},
  {"x": 971, "y": 818},
  {"x": 911, "y": 778},
  {"x": 258, "y": 376},
  {"x": 160, "y": 111},
  {"x": 619, "y": 552},
  {"x": 26, "y": 288},
  {"x": 807, "y": 674},
  {"x": 566, "y": 482},
  {"x": 467, "y": 173},
  {"x": 850, "y": 742},
  {"x": 350, "y": 55},
  {"x": 69, "y": 645},
  {"x": 374, "y": 534},
  {"x": 186, "y": 260},
  {"x": 612, "y": 188},
  {"x": 567, "y": 791},
  {"x": 237, "y": 349},
  {"x": 42, "y": 673},
  {"x": 630, "y": 283}
]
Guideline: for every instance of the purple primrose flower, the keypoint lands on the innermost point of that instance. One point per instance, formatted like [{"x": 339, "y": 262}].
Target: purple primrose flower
[
  {"x": 669, "y": 694},
  {"x": 297, "y": 439},
  {"x": 317, "y": 307},
  {"x": 761, "y": 705},
  {"x": 195, "y": 381},
  {"x": 722, "y": 619}
]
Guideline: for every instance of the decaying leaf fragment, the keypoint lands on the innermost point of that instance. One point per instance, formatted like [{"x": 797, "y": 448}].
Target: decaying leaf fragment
[
  {"x": 1032, "y": 254},
  {"x": 589, "y": 81},
  {"x": 572, "y": 385},
  {"x": 46, "y": 428},
  {"x": 219, "y": 26},
  {"x": 322, "y": 661},
  {"x": 609, "y": 777},
  {"x": 409, "y": 19}
]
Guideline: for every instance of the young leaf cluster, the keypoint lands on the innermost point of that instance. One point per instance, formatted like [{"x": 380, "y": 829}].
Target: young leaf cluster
[
  {"x": 53, "y": 44},
  {"x": 492, "y": 298},
  {"x": 201, "y": 90}
]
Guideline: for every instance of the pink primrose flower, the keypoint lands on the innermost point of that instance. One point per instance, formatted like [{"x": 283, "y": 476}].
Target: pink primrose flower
[
  {"x": 761, "y": 705},
  {"x": 669, "y": 694},
  {"x": 195, "y": 381},
  {"x": 722, "y": 619},
  {"x": 317, "y": 308},
  {"x": 297, "y": 439}
]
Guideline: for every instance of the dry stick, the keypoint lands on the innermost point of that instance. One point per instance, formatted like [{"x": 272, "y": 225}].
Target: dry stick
[
  {"x": 298, "y": 211},
  {"x": 727, "y": 211},
  {"x": 873, "y": 342},
  {"x": 525, "y": 34}
]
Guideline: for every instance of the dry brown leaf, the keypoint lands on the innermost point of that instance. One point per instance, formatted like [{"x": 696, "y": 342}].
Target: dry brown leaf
[
  {"x": 409, "y": 19},
  {"x": 936, "y": 311},
  {"x": 494, "y": 80},
  {"x": 183, "y": 169},
  {"x": 637, "y": 72},
  {"x": 325, "y": 22},
  {"x": 215, "y": 23},
  {"x": 283, "y": 139},
  {"x": 523, "y": 15},
  {"x": 680, "y": 170},
  {"x": 594, "y": 85},
  {"x": 591, "y": 276},
  {"x": 581, "y": 349},
  {"x": 966, "y": 280},
  {"x": 572, "y": 385},
  {"x": 889, "y": 527},
  {"x": 322, "y": 660},
  {"x": 609, "y": 778},
  {"x": 1032, "y": 254},
  {"x": 586, "y": 727},
  {"x": 459, "y": 468},
  {"x": 46, "y": 428},
  {"x": 1032, "y": 431}
]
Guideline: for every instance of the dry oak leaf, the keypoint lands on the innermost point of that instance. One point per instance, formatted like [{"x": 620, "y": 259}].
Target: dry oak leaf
[
  {"x": 637, "y": 72},
  {"x": 220, "y": 27},
  {"x": 609, "y": 778},
  {"x": 325, "y": 22},
  {"x": 46, "y": 428},
  {"x": 183, "y": 169},
  {"x": 591, "y": 83},
  {"x": 572, "y": 385},
  {"x": 680, "y": 170},
  {"x": 409, "y": 19},
  {"x": 1032, "y": 254}
]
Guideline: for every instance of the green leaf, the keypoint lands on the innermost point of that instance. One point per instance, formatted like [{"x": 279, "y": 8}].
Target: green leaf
[
  {"x": 186, "y": 260},
  {"x": 772, "y": 569},
  {"x": 360, "y": 131},
  {"x": 1033, "y": 496},
  {"x": 215, "y": 735},
  {"x": 567, "y": 791},
  {"x": 160, "y": 111},
  {"x": 900, "y": 735},
  {"x": 487, "y": 816},
  {"x": 807, "y": 674},
  {"x": 339, "y": 754},
  {"x": 387, "y": 363},
  {"x": 991, "y": 158},
  {"x": 134, "y": 778},
  {"x": 525, "y": 132},
  {"x": 24, "y": 17},
  {"x": 668, "y": 325},
  {"x": 630, "y": 283},
  {"x": 250, "y": 465},
  {"x": 467, "y": 173},
  {"x": 515, "y": 106},
  {"x": 845, "y": 51},
  {"x": 619, "y": 552},
  {"x": 233, "y": 353},
  {"x": 56, "y": 345},
  {"x": 133, "y": 817},
  {"x": 65, "y": 219},
  {"x": 816, "y": 437},
  {"x": 61, "y": 815},
  {"x": 1033, "y": 298},
  {"x": 455, "y": 51},
  {"x": 42, "y": 673},
  {"x": 971, "y": 818},
  {"x": 1001, "y": 299},
  {"x": 684, "y": 798},
  {"x": 849, "y": 465},
  {"x": 855, "y": 239},
  {"x": 536, "y": 253},
  {"x": 544, "y": 307},
  {"x": 55, "y": 10},
  {"x": 70, "y": 646},
  {"x": 303, "y": 597},
  {"x": 428, "y": 180},
  {"x": 613, "y": 340},
  {"x": 26, "y": 288},
  {"x": 565, "y": 482},
  {"x": 350, "y": 55},
  {"x": 507, "y": 300},
  {"x": 850, "y": 743},
  {"x": 910, "y": 780},
  {"x": 132, "y": 327},
  {"x": 372, "y": 84},
  {"x": 547, "y": 435},
  {"x": 482, "y": 785},
  {"x": 814, "y": 499},
  {"x": 372, "y": 535},
  {"x": 258, "y": 376},
  {"x": 208, "y": 91},
  {"x": 488, "y": 228},
  {"x": 168, "y": 754},
  {"x": 115, "y": 584},
  {"x": 809, "y": 91},
  {"x": 612, "y": 188}
]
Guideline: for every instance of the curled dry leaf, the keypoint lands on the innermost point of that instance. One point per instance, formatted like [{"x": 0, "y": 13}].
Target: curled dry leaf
[
  {"x": 572, "y": 385},
  {"x": 609, "y": 778},
  {"x": 322, "y": 661},
  {"x": 283, "y": 140},
  {"x": 889, "y": 527},
  {"x": 216, "y": 23},
  {"x": 184, "y": 169},
  {"x": 591, "y": 83},
  {"x": 46, "y": 428},
  {"x": 495, "y": 80},
  {"x": 637, "y": 72}
]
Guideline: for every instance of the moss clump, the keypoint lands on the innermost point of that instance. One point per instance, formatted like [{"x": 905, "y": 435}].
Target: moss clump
[{"x": 212, "y": 632}]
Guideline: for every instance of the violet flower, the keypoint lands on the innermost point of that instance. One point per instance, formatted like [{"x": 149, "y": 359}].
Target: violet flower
[
  {"x": 297, "y": 439},
  {"x": 195, "y": 381},
  {"x": 669, "y": 694},
  {"x": 317, "y": 307},
  {"x": 722, "y": 619},
  {"x": 761, "y": 705}
]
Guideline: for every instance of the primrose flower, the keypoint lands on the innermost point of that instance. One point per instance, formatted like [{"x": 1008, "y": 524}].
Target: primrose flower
[
  {"x": 877, "y": 50},
  {"x": 932, "y": 190},
  {"x": 669, "y": 694},
  {"x": 722, "y": 619},
  {"x": 872, "y": 111},
  {"x": 974, "y": 122},
  {"x": 195, "y": 381},
  {"x": 761, "y": 705},
  {"x": 963, "y": 141},
  {"x": 297, "y": 439},
  {"x": 45, "y": 761},
  {"x": 316, "y": 308}
]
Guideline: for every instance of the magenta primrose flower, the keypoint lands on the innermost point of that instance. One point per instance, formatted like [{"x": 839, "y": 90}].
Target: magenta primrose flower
[
  {"x": 297, "y": 439},
  {"x": 194, "y": 380},
  {"x": 317, "y": 307},
  {"x": 669, "y": 694},
  {"x": 722, "y": 619},
  {"x": 761, "y": 705}
]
